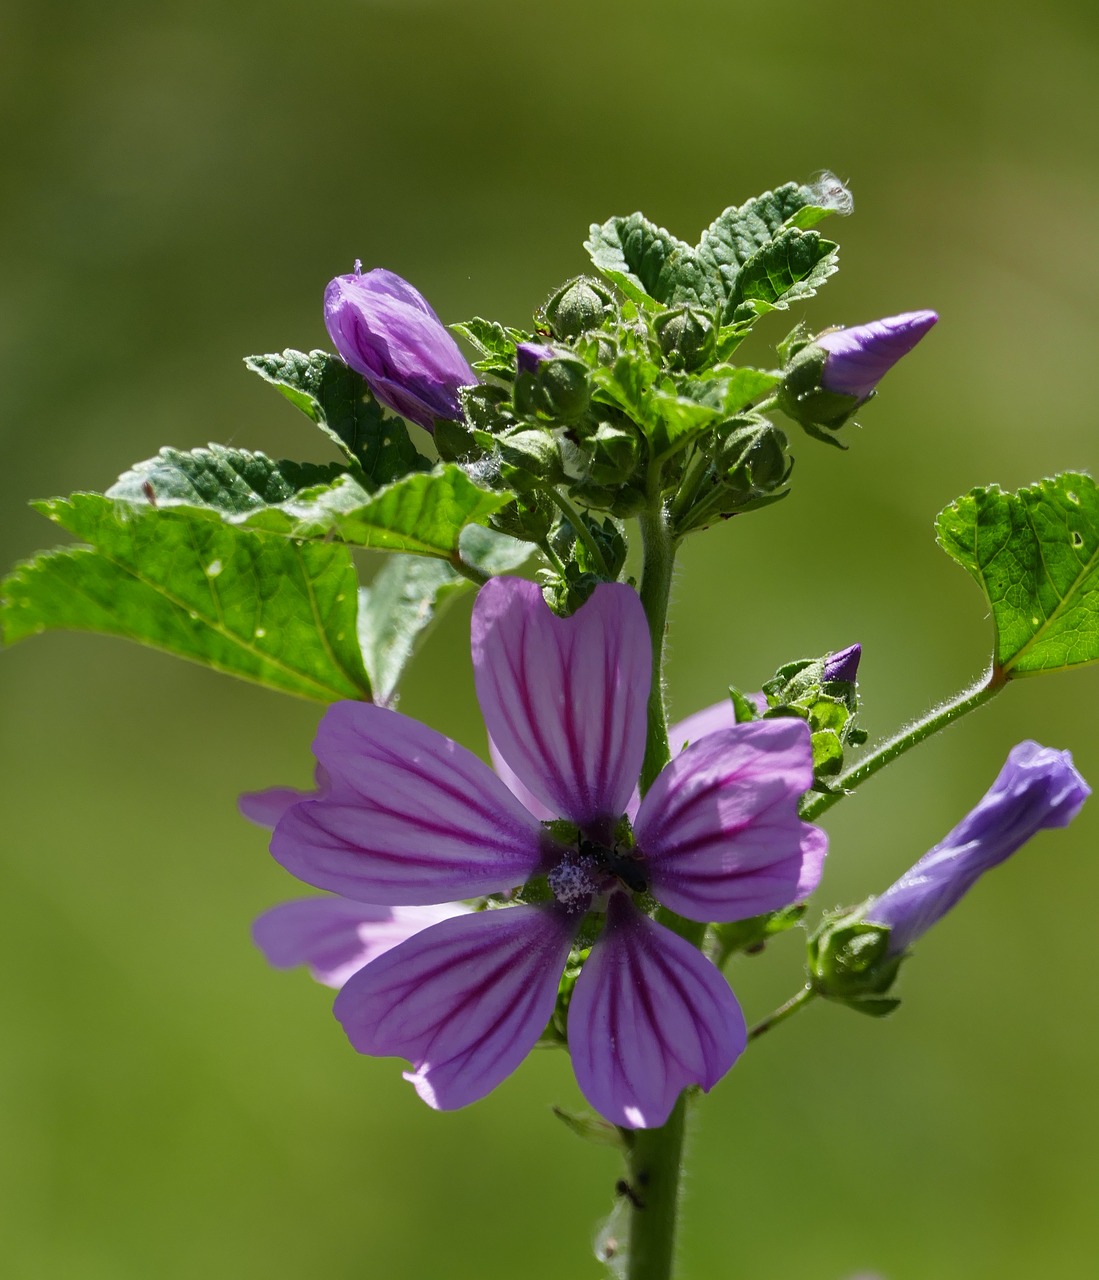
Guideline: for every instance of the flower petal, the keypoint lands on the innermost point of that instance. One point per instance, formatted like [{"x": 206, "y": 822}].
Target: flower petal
[
  {"x": 511, "y": 780},
  {"x": 565, "y": 699},
  {"x": 465, "y": 1001},
  {"x": 649, "y": 1017},
  {"x": 335, "y": 937},
  {"x": 719, "y": 828},
  {"x": 266, "y": 807},
  {"x": 409, "y": 817}
]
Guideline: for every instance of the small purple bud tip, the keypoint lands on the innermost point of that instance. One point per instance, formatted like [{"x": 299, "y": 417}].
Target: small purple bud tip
[
  {"x": 386, "y": 330},
  {"x": 859, "y": 357},
  {"x": 844, "y": 665},
  {"x": 529, "y": 355}
]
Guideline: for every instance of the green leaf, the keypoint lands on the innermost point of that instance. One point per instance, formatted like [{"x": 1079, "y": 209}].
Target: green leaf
[
  {"x": 731, "y": 390},
  {"x": 396, "y": 611},
  {"x": 652, "y": 266},
  {"x": 496, "y": 344},
  {"x": 339, "y": 401},
  {"x": 422, "y": 514},
  {"x": 233, "y": 481},
  {"x": 790, "y": 268},
  {"x": 409, "y": 594},
  {"x": 646, "y": 262},
  {"x": 1035, "y": 555},
  {"x": 271, "y": 610}
]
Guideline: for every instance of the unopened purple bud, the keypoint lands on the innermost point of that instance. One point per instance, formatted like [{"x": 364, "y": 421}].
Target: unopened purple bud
[
  {"x": 385, "y": 330},
  {"x": 1037, "y": 788},
  {"x": 858, "y": 358},
  {"x": 529, "y": 355},
  {"x": 843, "y": 665}
]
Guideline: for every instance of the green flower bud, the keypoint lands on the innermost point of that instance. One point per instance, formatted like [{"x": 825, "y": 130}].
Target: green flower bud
[
  {"x": 755, "y": 458},
  {"x": 687, "y": 337},
  {"x": 557, "y": 389},
  {"x": 579, "y": 305},
  {"x": 849, "y": 962},
  {"x": 615, "y": 452}
]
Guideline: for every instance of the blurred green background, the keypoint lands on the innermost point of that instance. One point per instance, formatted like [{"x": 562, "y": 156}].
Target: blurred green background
[{"x": 178, "y": 183}]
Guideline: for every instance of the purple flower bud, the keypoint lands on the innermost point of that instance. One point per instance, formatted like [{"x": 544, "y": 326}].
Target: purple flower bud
[
  {"x": 843, "y": 665},
  {"x": 1037, "y": 788},
  {"x": 529, "y": 355},
  {"x": 858, "y": 358},
  {"x": 385, "y": 330}
]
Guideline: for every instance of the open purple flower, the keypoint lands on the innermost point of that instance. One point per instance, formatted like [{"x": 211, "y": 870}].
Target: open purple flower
[
  {"x": 1037, "y": 788},
  {"x": 858, "y": 358},
  {"x": 411, "y": 818},
  {"x": 385, "y": 330}
]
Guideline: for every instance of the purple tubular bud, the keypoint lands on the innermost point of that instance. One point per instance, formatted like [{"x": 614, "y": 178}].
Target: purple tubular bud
[
  {"x": 1037, "y": 788},
  {"x": 844, "y": 665},
  {"x": 529, "y": 355},
  {"x": 858, "y": 358},
  {"x": 385, "y": 330}
]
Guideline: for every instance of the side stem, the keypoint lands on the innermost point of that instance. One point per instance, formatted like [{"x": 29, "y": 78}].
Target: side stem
[{"x": 904, "y": 741}]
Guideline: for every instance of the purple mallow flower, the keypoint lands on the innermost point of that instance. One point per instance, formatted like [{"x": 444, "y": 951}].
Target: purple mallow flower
[
  {"x": 409, "y": 818},
  {"x": 858, "y": 358},
  {"x": 385, "y": 330},
  {"x": 1037, "y": 788},
  {"x": 843, "y": 665}
]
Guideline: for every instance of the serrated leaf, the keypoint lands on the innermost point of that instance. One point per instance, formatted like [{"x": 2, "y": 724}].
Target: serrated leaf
[
  {"x": 422, "y": 514},
  {"x": 231, "y": 480},
  {"x": 271, "y": 610},
  {"x": 496, "y": 344},
  {"x": 409, "y": 594},
  {"x": 1035, "y": 555},
  {"x": 790, "y": 268},
  {"x": 646, "y": 262},
  {"x": 339, "y": 401},
  {"x": 651, "y": 266},
  {"x": 731, "y": 390}
]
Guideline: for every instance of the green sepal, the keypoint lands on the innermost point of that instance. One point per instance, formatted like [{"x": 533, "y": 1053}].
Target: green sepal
[
  {"x": 593, "y": 1128},
  {"x": 849, "y": 962},
  {"x": 751, "y": 936},
  {"x": 828, "y": 706},
  {"x": 1035, "y": 555},
  {"x": 339, "y": 401},
  {"x": 802, "y": 398}
]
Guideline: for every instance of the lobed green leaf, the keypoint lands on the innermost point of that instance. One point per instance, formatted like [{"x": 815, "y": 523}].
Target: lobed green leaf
[
  {"x": 1035, "y": 555},
  {"x": 274, "y": 611}
]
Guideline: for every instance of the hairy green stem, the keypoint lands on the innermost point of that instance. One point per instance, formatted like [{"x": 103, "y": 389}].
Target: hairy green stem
[
  {"x": 904, "y": 741},
  {"x": 658, "y": 546},
  {"x": 655, "y": 1155},
  {"x": 794, "y": 1005},
  {"x": 653, "y": 1166},
  {"x": 581, "y": 529}
]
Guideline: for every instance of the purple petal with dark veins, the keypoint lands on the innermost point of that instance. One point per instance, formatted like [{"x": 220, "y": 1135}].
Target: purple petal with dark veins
[
  {"x": 564, "y": 699},
  {"x": 649, "y": 1017},
  {"x": 265, "y": 808},
  {"x": 464, "y": 1001},
  {"x": 385, "y": 329},
  {"x": 719, "y": 829},
  {"x": 335, "y": 937},
  {"x": 409, "y": 818},
  {"x": 1037, "y": 788}
]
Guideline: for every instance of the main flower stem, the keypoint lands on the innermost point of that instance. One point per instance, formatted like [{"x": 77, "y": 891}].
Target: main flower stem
[
  {"x": 658, "y": 546},
  {"x": 655, "y": 1155},
  {"x": 905, "y": 740}
]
